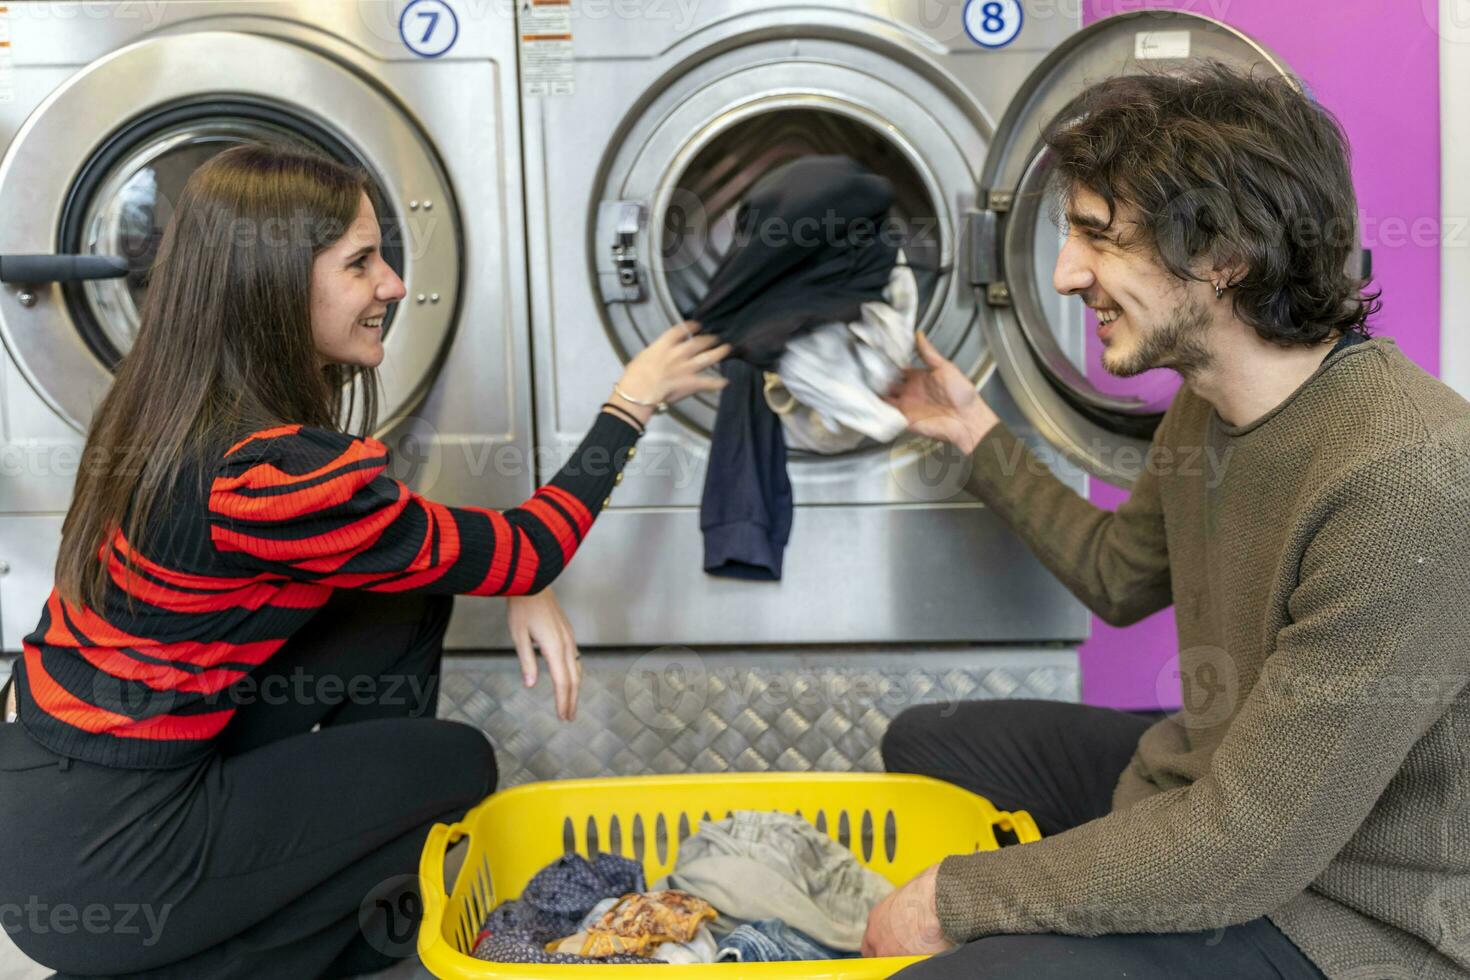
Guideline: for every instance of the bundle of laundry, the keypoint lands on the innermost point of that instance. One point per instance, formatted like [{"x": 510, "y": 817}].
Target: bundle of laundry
[
  {"x": 599, "y": 911},
  {"x": 808, "y": 249},
  {"x": 828, "y": 387},
  {"x": 553, "y": 905},
  {"x": 757, "y": 866},
  {"x": 667, "y": 926}
]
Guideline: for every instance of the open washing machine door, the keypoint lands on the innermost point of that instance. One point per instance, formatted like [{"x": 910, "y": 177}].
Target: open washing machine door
[
  {"x": 78, "y": 183},
  {"x": 1103, "y": 423}
]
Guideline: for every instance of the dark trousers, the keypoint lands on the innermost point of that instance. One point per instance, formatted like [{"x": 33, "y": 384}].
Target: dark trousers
[
  {"x": 289, "y": 853},
  {"x": 1060, "y": 762}
]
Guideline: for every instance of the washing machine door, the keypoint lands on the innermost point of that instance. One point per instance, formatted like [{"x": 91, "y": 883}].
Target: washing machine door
[
  {"x": 75, "y": 181},
  {"x": 675, "y": 172},
  {"x": 1045, "y": 345}
]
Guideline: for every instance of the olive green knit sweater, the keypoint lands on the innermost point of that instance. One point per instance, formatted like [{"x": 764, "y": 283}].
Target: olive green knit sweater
[{"x": 1318, "y": 561}]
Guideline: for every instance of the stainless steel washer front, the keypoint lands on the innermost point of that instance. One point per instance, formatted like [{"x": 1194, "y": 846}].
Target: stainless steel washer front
[
  {"x": 669, "y": 123},
  {"x": 116, "y": 104},
  {"x": 147, "y": 85}
]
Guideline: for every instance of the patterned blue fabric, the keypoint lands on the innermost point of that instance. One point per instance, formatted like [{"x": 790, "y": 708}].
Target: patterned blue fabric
[
  {"x": 773, "y": 941},
  {"x": 553, "y": 906}
]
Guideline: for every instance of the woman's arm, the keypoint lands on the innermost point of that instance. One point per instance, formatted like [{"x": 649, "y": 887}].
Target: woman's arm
[{"x": 318, "y": 506}]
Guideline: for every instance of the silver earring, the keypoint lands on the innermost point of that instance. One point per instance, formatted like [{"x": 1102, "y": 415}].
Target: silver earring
[{"x": 1219, "y": 291}]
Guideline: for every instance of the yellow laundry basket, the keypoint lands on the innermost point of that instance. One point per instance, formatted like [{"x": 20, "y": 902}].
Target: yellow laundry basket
[{"x": 897, "y": 825}]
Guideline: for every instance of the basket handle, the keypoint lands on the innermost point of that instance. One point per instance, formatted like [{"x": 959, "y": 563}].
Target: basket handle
[
  {"x": 431, "y": 868},
  {"x": 1020, "y": 823}
]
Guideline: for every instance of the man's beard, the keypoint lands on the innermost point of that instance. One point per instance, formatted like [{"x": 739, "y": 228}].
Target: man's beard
[{"x": 1178, "y": 344}]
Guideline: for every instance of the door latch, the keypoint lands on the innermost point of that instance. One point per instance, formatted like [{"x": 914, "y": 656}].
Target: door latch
[
  {"x": 982, "y": 243},
  {"x": 618, "y": 273}
]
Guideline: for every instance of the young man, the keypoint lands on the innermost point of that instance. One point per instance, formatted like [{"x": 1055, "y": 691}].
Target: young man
[{"x": 1308, "y": 812}]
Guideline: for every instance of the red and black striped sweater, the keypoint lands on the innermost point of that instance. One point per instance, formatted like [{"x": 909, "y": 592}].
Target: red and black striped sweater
[{"x": 223, "y": 578}]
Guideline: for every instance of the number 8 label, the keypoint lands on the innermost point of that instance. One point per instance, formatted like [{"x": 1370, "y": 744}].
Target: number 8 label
[{"x": 993, "y": 23}]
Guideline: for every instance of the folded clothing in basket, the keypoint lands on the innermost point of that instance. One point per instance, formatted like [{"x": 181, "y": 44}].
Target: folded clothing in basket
[{"x": 755, "y": 865}]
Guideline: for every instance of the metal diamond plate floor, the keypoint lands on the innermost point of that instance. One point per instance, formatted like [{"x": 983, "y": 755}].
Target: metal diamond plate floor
[{"x": 674, "y": 710}]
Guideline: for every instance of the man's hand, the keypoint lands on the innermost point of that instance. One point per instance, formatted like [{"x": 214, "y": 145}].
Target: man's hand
[
  {"x": 537, "y": 621},
  {"x": 941, "y": 403},
  {"x": 906, "y": 923}
]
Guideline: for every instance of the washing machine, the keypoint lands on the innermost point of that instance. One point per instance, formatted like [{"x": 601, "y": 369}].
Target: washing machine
[
  {"x": 640, "y": 140},
  {"x": 105, "y": 111}
]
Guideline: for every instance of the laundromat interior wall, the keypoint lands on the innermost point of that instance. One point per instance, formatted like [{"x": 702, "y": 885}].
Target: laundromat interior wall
[{"x": 1375, "y": 65}]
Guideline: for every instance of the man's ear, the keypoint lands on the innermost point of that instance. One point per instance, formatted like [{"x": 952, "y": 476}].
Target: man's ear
[{"x": 1228, "y": 272}]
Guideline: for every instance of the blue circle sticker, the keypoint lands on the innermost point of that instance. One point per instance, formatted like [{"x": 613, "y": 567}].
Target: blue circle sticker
[
  {"x": 993, "y": 23},
  {"x": 428, "y": 27}
]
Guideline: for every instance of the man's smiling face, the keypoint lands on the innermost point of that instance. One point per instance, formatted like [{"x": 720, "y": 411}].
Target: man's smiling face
[{"x": 1147, "y": 316}]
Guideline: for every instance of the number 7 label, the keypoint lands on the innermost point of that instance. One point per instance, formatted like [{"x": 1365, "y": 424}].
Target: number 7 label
[{"x": 428, "y": 28}]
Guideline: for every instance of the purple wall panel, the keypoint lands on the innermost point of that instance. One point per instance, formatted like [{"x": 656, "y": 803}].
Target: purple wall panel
[{"x": 1375, "y": 65}]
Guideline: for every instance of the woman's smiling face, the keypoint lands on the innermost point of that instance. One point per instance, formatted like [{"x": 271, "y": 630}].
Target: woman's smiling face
[{"x": 351, "y": 287}]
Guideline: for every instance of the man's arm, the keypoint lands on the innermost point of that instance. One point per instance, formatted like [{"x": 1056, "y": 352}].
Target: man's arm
[
  {"x": 1381, "y": 608},
  {"x": 1116, "y": 562}
]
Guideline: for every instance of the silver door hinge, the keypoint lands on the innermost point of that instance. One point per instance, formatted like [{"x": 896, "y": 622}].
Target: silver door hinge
[
  {"x": 618, "y": 272},
  {"x": 982, "y": 245}
]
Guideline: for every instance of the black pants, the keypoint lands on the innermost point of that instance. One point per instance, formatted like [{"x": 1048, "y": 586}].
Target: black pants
[
  {"x": 290, "y": 853},
  {"x": 1060, "y": 762}
]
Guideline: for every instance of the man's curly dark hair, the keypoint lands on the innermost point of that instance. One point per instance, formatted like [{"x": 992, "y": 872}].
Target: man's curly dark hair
[{"x": 1235, "y": 168}]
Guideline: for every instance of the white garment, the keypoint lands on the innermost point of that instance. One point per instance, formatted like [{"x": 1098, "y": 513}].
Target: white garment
[
  {"x": 828, "y": 384},
  {"x": 702, "y": 948}
]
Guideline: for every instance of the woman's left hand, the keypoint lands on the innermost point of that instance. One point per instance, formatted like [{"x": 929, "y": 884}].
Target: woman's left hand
[
  {"x": 906, "y": 923},
  {"x": 536, "y": 621}
]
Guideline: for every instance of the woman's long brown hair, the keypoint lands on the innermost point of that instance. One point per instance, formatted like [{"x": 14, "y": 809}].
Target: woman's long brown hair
[{"x": 224, "y": 345}]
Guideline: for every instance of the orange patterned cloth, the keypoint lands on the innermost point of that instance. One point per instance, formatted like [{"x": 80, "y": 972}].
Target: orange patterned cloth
[{"x": 638, "y": 924}]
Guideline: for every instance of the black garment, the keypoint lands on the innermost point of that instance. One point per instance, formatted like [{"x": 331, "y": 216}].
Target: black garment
[
  {"x": 286, "y": 853},
  {"x": 1348, "y": 339},
  {"x": 747, "y": 507},
  {"x": 810, "y": 248},
  {"x": 1060, "y": 762}
]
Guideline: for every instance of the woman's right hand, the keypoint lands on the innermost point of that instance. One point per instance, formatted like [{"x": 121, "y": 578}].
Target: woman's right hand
[{"x": 671, "y": 368}]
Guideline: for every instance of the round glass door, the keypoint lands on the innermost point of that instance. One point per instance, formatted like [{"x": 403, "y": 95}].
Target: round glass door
[
  {"x": 1045, "y": 345},
  {"x": 113, "y": 188},
  {"x": 690, "y": 157},
  {"x": 125, "y": 199}
]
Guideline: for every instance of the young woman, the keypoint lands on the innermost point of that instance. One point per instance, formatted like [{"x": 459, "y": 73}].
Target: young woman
[{"x": 225, "y": 752}]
